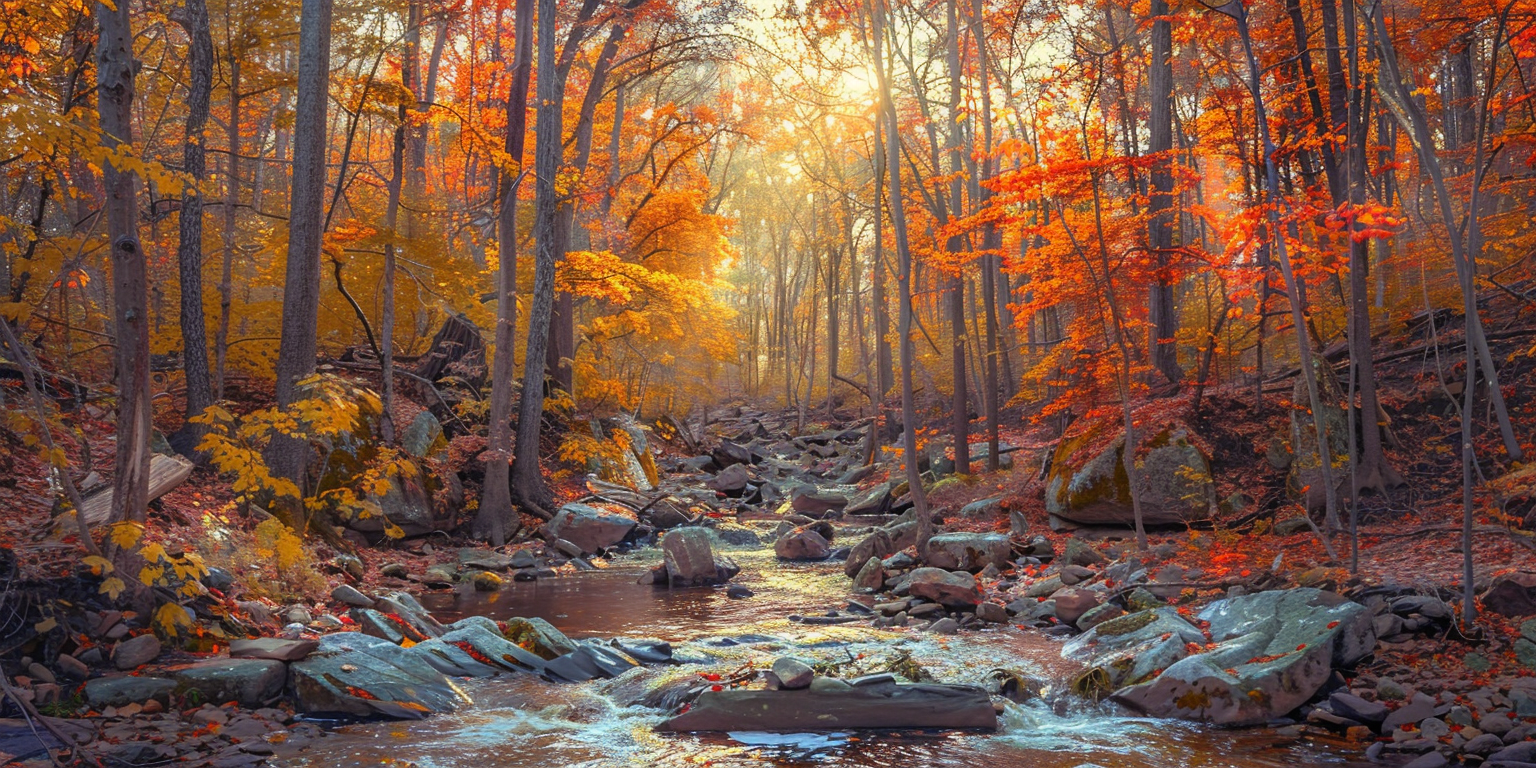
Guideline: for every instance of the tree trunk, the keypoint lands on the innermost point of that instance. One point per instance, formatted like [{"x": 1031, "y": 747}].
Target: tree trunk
[
  {"x": 960, "y": 420},
  {"x": 497, "y": 521},
  {"x": 1160, "y": 204},
  {"x": 189, "y": 250},
  {"x": 115, "y": 69},
  {"x": 301, "y": 278},
  {"x": 231, "y": 206},
  {"x": 527, "y": 483}
]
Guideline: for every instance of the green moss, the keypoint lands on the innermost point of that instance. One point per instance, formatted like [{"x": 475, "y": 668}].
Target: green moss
[
  {"x": 1127, "y": 624},
  {"x": 1092, "y": 683}
]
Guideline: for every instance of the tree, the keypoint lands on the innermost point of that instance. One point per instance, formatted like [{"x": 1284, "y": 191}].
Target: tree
[
  {"x": 189, "y": 250},
  {"x": 301, "y": 284},
  {"x": 1161, "y": 202},
  {"x": 115, "y": 71}
]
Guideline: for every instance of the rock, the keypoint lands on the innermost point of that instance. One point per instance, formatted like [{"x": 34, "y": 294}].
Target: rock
[
  {"x": 1428, "y": 760},
  {"x": 440, "y": 574},
  {"x": 119, "y": 690},
  {"x": 1072, "y": 603},
  {"x": 1358, "y": 709},
  {"x": 272, "y": 648},
  {"x": 982, "y": 509},
  {"x": 1512, "y": 594},
  {"x": 395, "y": 571},
  {"x": 248, "y": 682},
  {"x": 345, "y": 678},
  {"x": 878, "y": 545},
  {"x": 1497, "y": 723},
  {"x": 839, "y": 707},
  {"x": 1079, "y": 552},
  {"x": 40, "y": 673},
  {"x": 136, "y": 651},
  {"x": 873, "y": 501},
  {"x": 72, "y": 667},
  {"x": 735, "y": 534},
  {"x": 1274, "y": 651},
  {"x": 406, "y": 504},
  {"x": 538, "y": 636},
  {"x": 732, "y": 481},
  {"x": 485, "y": 581},
  {"x": 992, "y": 613},
  {"x": 728, "y": 453},
  {"x": 1087, "y": 483},
  {"x": 591, "y": 528},
  {"x": 1521, "y": 753},
  {"x": 738, "y": 592},
  {"x": 474, "y": 558},
  {"x": 818, "y": 504},
  {"x": 1483, "y": 745},
  {"x": 944, "y": 587},
  {"x": 793, "y": 673},
  {"x": 857, "y": 474},
  {"x": 1098, "y": 615},
  {"x": 690, "y": 559},
  {"x": 945, "y": 626},
  {"x": 968, "y": 551},
  {"x": 424, "y": 437},
  {"x": 1433, "y": 729},
  {"x": 802, "y": 544},
  {"x": 348, "y": 595},
  {"x": 871, "y": 577}
]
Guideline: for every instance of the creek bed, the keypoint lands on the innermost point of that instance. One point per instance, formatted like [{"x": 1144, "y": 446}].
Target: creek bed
[{"x": 521, "y": 721}]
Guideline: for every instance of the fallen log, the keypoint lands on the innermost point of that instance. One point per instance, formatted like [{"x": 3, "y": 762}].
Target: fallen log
[
  {"x": 165, "y": 473},
  {"x": 881, "y": 705}
]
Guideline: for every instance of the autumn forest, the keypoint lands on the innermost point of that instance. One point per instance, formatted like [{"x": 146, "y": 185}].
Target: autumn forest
[{"x": 1109, "y": 345}]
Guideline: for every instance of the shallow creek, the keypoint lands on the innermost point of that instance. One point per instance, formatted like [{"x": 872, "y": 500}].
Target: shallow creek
[{"x": 520, "y": 720}]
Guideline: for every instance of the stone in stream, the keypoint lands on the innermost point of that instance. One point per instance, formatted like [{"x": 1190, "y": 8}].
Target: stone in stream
[
  {"x": 880, "y": 705},
  {"x": 792, "y": 673},
  {"x": 118, "y": 690},
  {"x": 690, "y": 559},
  {"x": 345, "y": 677},
  {"x": 274, "y": 648},
  {"x": 591, "y": 528},
  {"x": 871, "y": 577},
  {"x": 802, "y": 543},
  {"x": 968, "y": 551},
  {"x": 248, "y": 682},
  {"x": 944, "y": 587},
  {"x": 538, "y": 636},
  {"x": 1274, "y": 651}
]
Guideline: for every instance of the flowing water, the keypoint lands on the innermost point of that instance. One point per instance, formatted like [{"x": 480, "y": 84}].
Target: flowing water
[{"x": 521, "y": 721}]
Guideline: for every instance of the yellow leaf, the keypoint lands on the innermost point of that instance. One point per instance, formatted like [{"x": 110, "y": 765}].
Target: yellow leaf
[
  {"x": 45, "y": 626},
  {"x": 152, "y": 553},
  {"x": 170, "y": 617},
  {"x": 98, "y": 564},
  {"x": 113, "y": 587},
  {"x": 151, "y": 574},
  {"x": 126, "y": 534}
]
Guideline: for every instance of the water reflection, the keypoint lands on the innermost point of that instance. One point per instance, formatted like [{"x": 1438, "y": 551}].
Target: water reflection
[{"x": 520, "y": 721}]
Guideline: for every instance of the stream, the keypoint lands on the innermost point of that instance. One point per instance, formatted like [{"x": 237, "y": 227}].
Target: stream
[{"x": 521, "y": 720}]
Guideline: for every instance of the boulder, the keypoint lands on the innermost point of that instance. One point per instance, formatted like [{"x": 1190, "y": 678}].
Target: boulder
[
  {"x": 275, "y": 648},
  {"x": 118, "y": 690},
  {"x": 877, "y": 545},
  {"x": 406, "y": 504},
  {"x": 802, "y": 543},
  {"x": 538, "y": 636},
  {"x": 591, "y": 528},
  {"x": 424, "y": 436},
  {"x": 1512, "y": 594},
  {"x": 871, "y": 577},
  {"x": 1073, "y": 603},
  {"x": 247, "y": 682},
  {"x": 691, "y": 561},
  {"x": 982, "y": 509},
  {"x": 944, "y": 587},
  {"x": 968, "y": 551},
  {"x": 136, "y": 651},
  {"x": 348, "y": 595},
  {"x": 818, "y": 504},
  {"x": 1274, "y": 651},
  {"x": 728, "y": 453},
  {"x": 1088, "y": 485},
  {"x": 872, "y": 501},
  {"x": 345, "y": 677},
  {"x": 880, "y": 704},
  {"x": 731, "y": 481},
  {"x": 1130, "y": 649}
]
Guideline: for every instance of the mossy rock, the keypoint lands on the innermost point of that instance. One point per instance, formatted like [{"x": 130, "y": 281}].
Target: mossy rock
[
  {"x": 1124, "y": 625},
  {"x": 1088, "y": 483}
]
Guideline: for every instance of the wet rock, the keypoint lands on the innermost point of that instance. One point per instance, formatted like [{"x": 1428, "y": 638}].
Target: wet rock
[
  {"x": 439, "y": 574},
  {"x": 1274, "y": 651},
  {"x": 591, "y": 528},
  {"x": 1098, "y": 615},
  {"x": 345, "y": 678},
  {"x": 793, "y": 673},
  {"x": 118, "y": 690},
  {"x": 538, "y": 636},
  {"x": 588, "y": 662},
  {"x": 273, "y": 648},
  {"x": 472, "y": 558},
  {"x": 1512, "y": 594},
  {"x": 945, "y": 626},
  {"x": 944, "y": 587},
  {"x": 968, "y": 551},
  {"x": 690, "y": 559},
  {"x": 1428, "y": 760},
  {"x": 878, "y": 544},
  {"x": 802, "y": 543},
  {"x": 1355, "y": 708},
  {"x": 992, "y": 613},
  {"x": 348, "y": 595},
  {"x": 1072, "y": 603},
  {"x": 1131, "y": 648},
  {"x": 891, "y": 705},
  {"x": 1516, "y": 754},
  {"x": 738, "y": 592},
  {"x": 247, "y": 682},
  {"x": 136, "y": 651},
  {"x": 485, "y": 581}
]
